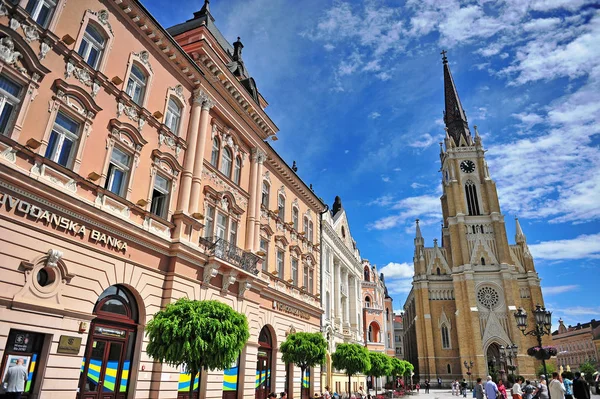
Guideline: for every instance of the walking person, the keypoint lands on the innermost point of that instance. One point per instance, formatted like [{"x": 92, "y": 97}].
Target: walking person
[
  {"x": 502, "y": 389},
  {"x": 568, "y": 386},
  {"x": 426, "y": 386},
  {"x": 491, "y": 389},
  {"x": 556, "y": 387},
  {"x": 581, "y": 389},
  {"x": 479, "y": 389},
  {"x": 542, "y": 389},
  {"x": 15, "y": 379},
  {"x": 517, "y": 392},
  {"x": 455, "y": 387},
  {"x": 463, "y": 388},
  {"x": 528, "y": 390},
  {"x": 439, "y": 383}
]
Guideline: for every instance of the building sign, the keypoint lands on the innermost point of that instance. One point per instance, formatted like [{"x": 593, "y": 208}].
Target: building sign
[
  {"x": 282, "y": 307},
  {"x": 58, "y": 222},
  {"x": 110, "y": 332},
  {"x": 69, "y": 345}
]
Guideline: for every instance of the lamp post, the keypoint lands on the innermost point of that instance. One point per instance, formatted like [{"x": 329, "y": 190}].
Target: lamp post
[
  {"x": 469, "y": 366},
  {"x": 543, "y": 325},
  {"x": 509, "y": 353}
]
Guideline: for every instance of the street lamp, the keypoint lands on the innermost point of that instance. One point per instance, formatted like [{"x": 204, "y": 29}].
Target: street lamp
[
  {"x": 509, "y": 353},
  {"x": 543, "y": 325},
  {"x": 469, "y": 366}
]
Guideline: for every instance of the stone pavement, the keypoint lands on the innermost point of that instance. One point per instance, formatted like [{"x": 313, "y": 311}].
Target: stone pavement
[{"x": 447, "y": 394}]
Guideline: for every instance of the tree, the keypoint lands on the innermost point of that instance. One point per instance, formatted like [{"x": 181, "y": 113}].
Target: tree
[
  {"x": 380, "y": 365},
  {"x": 550, "y": 367},
  {"x": 398, "y": 367},
  {"x": 352, "y": 358},
  {"x": 305, "y": 350},
  {"x": 197, "y": 335},
  {"x": 587, "y": 369}
]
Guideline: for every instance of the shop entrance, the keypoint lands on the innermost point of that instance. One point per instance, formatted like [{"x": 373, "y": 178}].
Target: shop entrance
[
  {"x": 107, "y": 360},
  {"x": 22, "y": 345},
  {"x": 263, "y": 364}
]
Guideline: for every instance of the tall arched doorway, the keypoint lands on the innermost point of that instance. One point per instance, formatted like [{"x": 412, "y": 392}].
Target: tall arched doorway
[
  {"x": 107, "y": 362},
  {"x": 263, "y": 363},
  {"x": 493, "y": 360}
]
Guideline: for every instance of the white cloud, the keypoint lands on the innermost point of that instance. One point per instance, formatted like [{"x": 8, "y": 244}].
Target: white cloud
[
  {"x": 423, "y": 142},
  {"x": 395, "y": 270},
  {"x": 528, "y": 119},
  {"x": 584, "y": 246},
  {"x": 416, "y": 185},
  {"x": 385, "y": 179},
  {"x": 424, "y": 207},
  {"x": 541, "y": 24},
  {"x": 397, "y": 169},
  {"x": 560, "y": 289},
  {"x": 328, "y": 47},
  {"x": 381, "y": 201},
  {"x": 374, "y": 115},
  {"x": 346, "y": 151}
]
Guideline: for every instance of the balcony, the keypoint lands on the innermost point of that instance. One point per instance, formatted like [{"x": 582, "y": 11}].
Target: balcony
[{"x": 228, "y": 252}]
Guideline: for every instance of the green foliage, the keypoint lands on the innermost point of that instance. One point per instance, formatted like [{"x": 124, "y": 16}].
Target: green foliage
[
  {"x": 197, "y": 335},
  {"x": 408, "y": 367},
  {"x": 398, "y": 367},
  {"x": 587, "y": 369},
  {"x": 549, "y": 366},
  {"x": 352, "y": 358},
  {"x": 380, "y": 364},
  {"x": 304, "y": 349}
]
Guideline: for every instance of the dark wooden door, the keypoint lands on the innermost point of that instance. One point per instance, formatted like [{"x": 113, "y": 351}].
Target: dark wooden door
[{"x": 103, "y": 366}]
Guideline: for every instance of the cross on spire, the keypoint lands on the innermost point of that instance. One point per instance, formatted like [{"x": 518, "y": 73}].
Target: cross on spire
[{"x": 444, "y": 58}]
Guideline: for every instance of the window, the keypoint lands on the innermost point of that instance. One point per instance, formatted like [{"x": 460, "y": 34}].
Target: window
[
  {"x": 310, "y": 231},
  {"x": 370, "y": 334},
  {"x": 40, "y": 10},
  {"x": 311, "y": 277},
  {"x": 482, "y": 261},
  {"x": 449, "y": 369},
  {"x": 118, "y": 172},
  {"x": 327, "y": 260},
  {"x": 136, "y": 85},
  {"x": 327, "y": 305},
  {"x": 209, "y": 221},
  {"x": 295, "y": 271},
  {"x": 281, "y": 207},
  {"x": 280, "y": 263},
  {"x": 62, "y": 144},
  {"x": 226, "y": 162},
  {"x": 264, "y": 246},
  {"x": 233, "y": 226},
  {"x": 305, "y": 225},
  {"x": 295, "y": 218},
  {"x": 9, "y": 101},
  {"x": 367, "y": 302},
  {"x": 445, "y": 338},
  {"x": 173, "y": 116},
  {"x": 160, "y": 196},
  {"x": 472, "y": 201},
  {"x": 237, "y": 170},
  {"x": 92, "y": 46},
  {"x": 221, "y": 226},
  {"x": 265, "y": 194},
  {"x": 214, "y": 156}
]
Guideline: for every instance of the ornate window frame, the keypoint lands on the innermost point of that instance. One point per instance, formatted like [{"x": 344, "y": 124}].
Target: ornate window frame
[
  {"x": 167, "y": 166},
  {"x": 77, "y": 104},
  {"x": 100, "y": 21},
  {"x": 51, "y": 25},
  {"x": 142, "y": 60},
  {"x": 176, "y": 93},
  {"x": 223, "y": 202}
]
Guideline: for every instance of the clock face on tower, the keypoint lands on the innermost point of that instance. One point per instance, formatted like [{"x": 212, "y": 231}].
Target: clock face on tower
[{"x": 467, "y": 166}]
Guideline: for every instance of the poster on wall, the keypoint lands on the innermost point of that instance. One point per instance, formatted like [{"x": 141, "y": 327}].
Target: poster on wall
[{"x": 12, "y": 361}]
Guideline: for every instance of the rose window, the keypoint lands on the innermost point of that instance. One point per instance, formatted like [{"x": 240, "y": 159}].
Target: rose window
[{"x": 488, "y": 297}]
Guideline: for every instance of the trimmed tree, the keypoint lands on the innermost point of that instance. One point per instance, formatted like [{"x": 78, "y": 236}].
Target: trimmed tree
[
  {"x": 398, "y": 368},
  {"x": 380, "y": 365},
  {"x": 352, "y": 358},
  {"x": 305, "y": 350},
  {"x": 197, "y": 335}
]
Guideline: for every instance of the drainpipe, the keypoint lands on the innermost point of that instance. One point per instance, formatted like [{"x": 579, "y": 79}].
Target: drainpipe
[{"x": 321, "y": 269}]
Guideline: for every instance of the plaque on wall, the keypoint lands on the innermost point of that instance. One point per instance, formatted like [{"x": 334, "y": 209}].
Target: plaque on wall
[{"x": 69, "y": 345}]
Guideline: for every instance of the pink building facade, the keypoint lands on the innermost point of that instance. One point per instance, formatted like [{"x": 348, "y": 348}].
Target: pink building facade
[{"x": 135, "y": 170}]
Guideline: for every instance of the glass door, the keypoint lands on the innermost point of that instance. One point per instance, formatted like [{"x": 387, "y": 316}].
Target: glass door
[{"x": 102, "y": 370}]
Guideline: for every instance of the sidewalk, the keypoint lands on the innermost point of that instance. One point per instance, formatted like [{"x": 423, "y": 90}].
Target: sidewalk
[{"x": 447, "y": 394}]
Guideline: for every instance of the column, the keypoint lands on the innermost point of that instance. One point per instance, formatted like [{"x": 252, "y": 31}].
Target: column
[
  {"x": 260, "y": 159},
  {"x": 347, "y": 285},
  {"x": 207, "y": 104},
  {"x": 188, "y": 164},
  {"x": 253, "y": 202},
  {"x": 337, "y": 294}
]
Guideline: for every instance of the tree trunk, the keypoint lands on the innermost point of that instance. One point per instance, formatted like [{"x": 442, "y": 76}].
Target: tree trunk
[
  {"x": 301, "y": 382},
  {"x": 349, "y": 383}
]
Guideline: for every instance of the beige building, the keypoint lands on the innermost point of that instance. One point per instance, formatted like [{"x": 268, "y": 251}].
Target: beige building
[
  {"x": 467, "y": 287},
  {"x": 135, "y": 170},
  {"x": 577, "y": 344}
]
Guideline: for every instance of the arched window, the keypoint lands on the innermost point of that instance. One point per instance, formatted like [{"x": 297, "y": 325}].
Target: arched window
[
  {"x": 370, "y": 334},
  {"x": 173, "y": 116},
  {"x": 343, "y": 232},
  {"x": 281, "y": 207},
  {"x": 136, "y": 84},
  {"x": 265, "y": 194},
  {"x": 449, "y": 369},
  {"x": 226, "y": 162},
  {"x": 41, "y": 10},
  {"x": 445, "y": 337},
  {"x": 438, "y": 271},
  {"x": 11, "y": 93},
  {"x": 482, "y": 261},
  {"x": 367, "y": 302},
  {"x": 92, "y": 46},
  {"x": 295, "y": 218},
  {"x": 310, "y": 231},
  {"x": 214, "y": 156},
  {"x": 305, "y": 225},
  {"x": 387, "y": 314},
  {"x": 237, "y": 170},
  {"x": 472, "y": 201},
  {"x": 367, "y": 273}
]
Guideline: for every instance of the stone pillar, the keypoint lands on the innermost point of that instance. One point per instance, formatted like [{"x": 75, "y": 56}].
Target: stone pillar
[
  {"x": 337, "y": 294},
  {"x": 207, "y": 104},
  {"x": 261, "y": 157},
  {"x": 188, "y": 164},
  {"x": 254, "y": 202}
]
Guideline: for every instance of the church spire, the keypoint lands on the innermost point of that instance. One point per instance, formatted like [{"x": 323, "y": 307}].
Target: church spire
[
  {"x": 419, "y": 242},
  {"x": 454, "y": 114},
  {"x": 519, "y": 236}
]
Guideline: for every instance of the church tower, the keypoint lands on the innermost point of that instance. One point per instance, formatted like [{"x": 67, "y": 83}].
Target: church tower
[{"x": 466, "y": 289}]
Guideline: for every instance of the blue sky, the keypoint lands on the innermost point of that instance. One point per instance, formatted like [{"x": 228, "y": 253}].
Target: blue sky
[{"x": 356, "y": 90}]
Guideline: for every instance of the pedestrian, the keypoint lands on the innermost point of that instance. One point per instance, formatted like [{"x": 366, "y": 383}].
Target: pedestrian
[
  {"x": 568, "y": 385},
  {"x": 283, "y": 395},
  {"x": 454, "y": 388},
  {"x": 361, "y": 391},
  {"x": 556, "y": 387},
  {"x": 502, "y": 389},
  {"x": 463, "y": 388},
  {"x": 542, "y": 389},
  {"x": 479, "y": 389},
  {"x": 581, "y": 389},
  {"x": 326, "y": 394},
  {"x": 272, "y": 395},
  {"x": 517, "y": 392},
  {"x": 418, "y": 387},
  {"x": 491, "y": 389},
  {"x": 15, "y": 379},
  {"x": 426, "y": 386},
  {"x": 528, "y": 390},
  {"x": 439, "y": 383}
]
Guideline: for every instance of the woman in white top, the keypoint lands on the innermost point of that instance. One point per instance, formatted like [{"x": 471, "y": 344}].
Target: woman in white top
[{"x": 516, "y": 391}]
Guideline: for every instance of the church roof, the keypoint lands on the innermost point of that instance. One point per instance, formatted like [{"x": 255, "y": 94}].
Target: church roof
[{"x": 455, "y": 117}]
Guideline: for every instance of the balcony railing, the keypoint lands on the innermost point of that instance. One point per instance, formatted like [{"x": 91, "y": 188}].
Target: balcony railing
[{"x": 224, "y": 250}]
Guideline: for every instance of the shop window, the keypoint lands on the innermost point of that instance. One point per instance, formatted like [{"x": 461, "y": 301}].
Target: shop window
[
  {"x": 118, "y": 172},
  {"x": 136, "y": 84},
  {"x": 173, "y": 116},
  {"x": 63, "y": 141},
  {"x": 26, "y": 346},
  {"x": 10, "y": 98},
  {"x": 40, "y": 11},
  {"x": 92, "y": 46},
  {"x": 160, "y": 196},
  {"x": 230, "y": 380}
]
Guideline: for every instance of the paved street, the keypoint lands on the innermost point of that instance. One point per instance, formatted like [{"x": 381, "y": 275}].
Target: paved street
[{"x": 447, "y": 394}]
